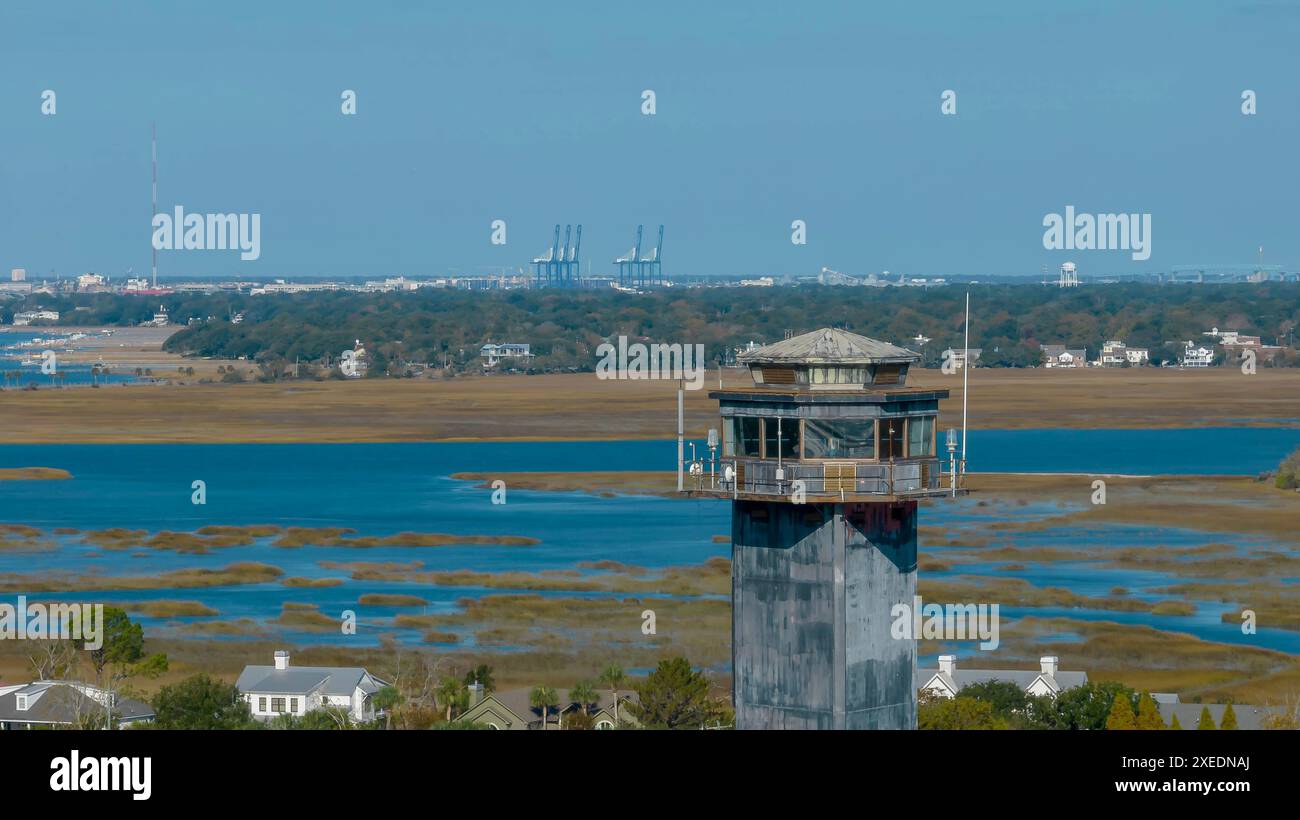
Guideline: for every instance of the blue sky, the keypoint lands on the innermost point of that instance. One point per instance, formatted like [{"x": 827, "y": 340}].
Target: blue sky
[{"x": 531, "y": 112}]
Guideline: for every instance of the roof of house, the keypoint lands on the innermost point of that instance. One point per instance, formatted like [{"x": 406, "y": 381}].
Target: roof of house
[
  {"x": 63, "y": 702},
  {"x": 519, "y": 702},
  {"x": 1023, "y": 678},
  {"x": 304, "y": 680},
  {"x": 829, "y": 346},
  {"x": 1189, "y": 714}
]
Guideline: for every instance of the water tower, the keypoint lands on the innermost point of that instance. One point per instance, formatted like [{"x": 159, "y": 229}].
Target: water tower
[{"x": 824, "y": 459}]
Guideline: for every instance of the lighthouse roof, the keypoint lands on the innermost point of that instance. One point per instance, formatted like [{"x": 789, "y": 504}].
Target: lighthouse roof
[{"x": 829, "y": 346}]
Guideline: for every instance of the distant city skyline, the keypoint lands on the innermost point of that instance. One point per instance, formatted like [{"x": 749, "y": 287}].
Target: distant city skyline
[{"x": 532, "y": 114}]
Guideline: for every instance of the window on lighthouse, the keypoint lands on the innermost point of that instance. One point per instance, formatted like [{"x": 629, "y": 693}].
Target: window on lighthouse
[{"x": 740, "y": 437}]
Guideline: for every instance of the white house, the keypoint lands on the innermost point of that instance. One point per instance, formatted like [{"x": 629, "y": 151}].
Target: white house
[
  {"x": 48, "y": 703},
  {"x": 495, "y": 353},
  {"x": 1197, "y": 356},
  {"x": 296, "y": 690},
  {"x": 948, "y": 680},
  {"x": 959, "y": 357},
  {"x": 1115, "y": 353}
]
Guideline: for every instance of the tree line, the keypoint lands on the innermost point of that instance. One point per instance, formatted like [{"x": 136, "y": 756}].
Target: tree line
[{"x": 446, "y": 328}]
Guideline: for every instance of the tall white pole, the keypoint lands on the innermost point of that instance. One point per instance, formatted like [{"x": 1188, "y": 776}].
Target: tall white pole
[
  {"x": 965, "y": 382},
  {"x": 681, "y": 434}
]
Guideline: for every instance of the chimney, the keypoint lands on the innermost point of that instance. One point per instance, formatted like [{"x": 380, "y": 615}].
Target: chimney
[
  {"x": 281, "y": 660},
  {"x": 948, "y": 665},
  {"x": 476, "y": 693},
  {"x": 1050, "y": 663}
]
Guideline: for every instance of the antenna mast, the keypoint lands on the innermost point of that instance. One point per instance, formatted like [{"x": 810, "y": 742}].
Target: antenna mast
[
  {"x": 155, "y": 201},
  {"x": 965, "y": 381}
]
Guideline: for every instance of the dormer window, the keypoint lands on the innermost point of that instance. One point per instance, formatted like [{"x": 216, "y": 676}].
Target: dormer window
[{"x": 20, "y": 703}]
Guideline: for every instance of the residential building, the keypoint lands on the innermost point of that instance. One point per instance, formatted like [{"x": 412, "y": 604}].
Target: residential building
[
  {"x": 354, "y": 363},
  {"x": 1137, "y": 355},
  {"x": 282, "y": 689},
  {"x": 50, "y": 703},
  {"x": 494, "y": 353},
  {"x": 28, "y": 317},
  {"x": 1115, "y": 353},
  {"x": 1189, "y": 714},
  {"x": 947, "y": 681},
  {"x": 959, "y": 357},
  {"x": 1060, "y": 356},
  {"x": 1196, "y": 356},
  {"x": 513, "y": 709}
]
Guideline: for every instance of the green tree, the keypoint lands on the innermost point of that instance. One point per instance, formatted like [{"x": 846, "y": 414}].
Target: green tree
[
  {"x": 387, "y": 700},
  {"x": 1086, "y": 707},
  {"x": 583, "y": 694},
  {"x": 1229, "y": 719},
  {"x": 121, "y": 652},
  {"x": 960, "y": 712},
  {"x": 1121, "y": 714},
  {"x": 1288, "y": 472},
  {"x": 122, "y": 641},
  {"x": 674, "y": 696},
  {"x": 1006, "y": 698},
  {"x": 1206, "y": 721},
  {"x": 1148, "y": 714},
  {"x": 450, "y": 693},
  {"x": 201, "y": 702},
  {"x": 544, "y": 698},
  {"x": 614, "y": 678},
  {"x": 1173, "y": 722}
]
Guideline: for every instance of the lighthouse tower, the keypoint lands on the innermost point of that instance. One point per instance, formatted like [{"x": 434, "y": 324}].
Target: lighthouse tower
[{"x": 824, "y": 459}]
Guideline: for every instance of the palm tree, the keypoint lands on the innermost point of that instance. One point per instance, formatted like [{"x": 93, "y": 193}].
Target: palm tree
[
  {"x": 583, "y": 694},
  {"x": 449, "y": 692},
  {"x": 386, "y": 700},
  {"x": 614, "y": 678},
  {"x": 543, "y": 697}
]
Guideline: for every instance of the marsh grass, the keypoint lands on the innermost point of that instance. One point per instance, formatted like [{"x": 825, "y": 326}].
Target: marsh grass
[
  {"x": 384, "y": 599},
  {"x": 33, "y": 474},
  {"x": 296, "y": 537},
  {"x": 243, "y": 572},
  {"x": 163, "y": 608}
]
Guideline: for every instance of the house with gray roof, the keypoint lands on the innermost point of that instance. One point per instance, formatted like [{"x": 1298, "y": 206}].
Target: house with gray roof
[
  {"x": 513, "y": 709},
  {"x": 296, "y": 690},
  {"x": 947, "y": 681},
  {"x": 50, "y": 703},
  {"x": 1189, "y": 714}
]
